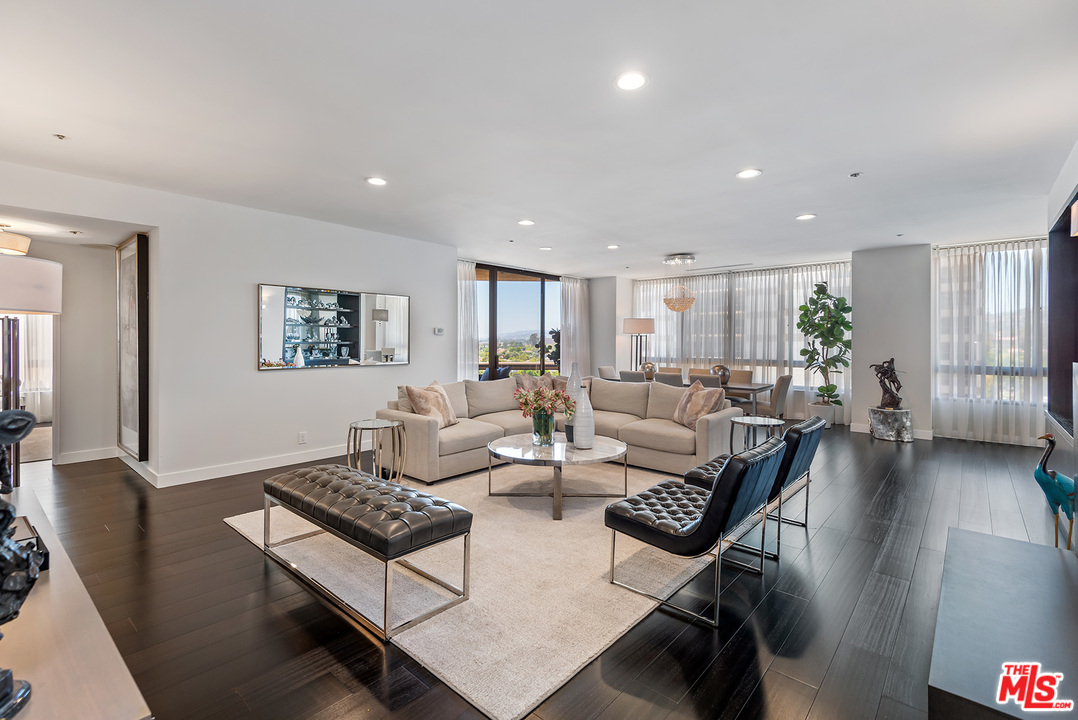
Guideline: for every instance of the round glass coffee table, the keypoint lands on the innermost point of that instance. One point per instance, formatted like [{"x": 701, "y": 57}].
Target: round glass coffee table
[{"x": 519, "y": 449}]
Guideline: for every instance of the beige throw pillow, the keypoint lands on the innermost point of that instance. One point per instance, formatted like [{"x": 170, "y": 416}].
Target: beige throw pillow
[
  {"x": 432, "y": 401},
  {"x": 697, "y": 402},
  {"x": 534, "y": 382}
]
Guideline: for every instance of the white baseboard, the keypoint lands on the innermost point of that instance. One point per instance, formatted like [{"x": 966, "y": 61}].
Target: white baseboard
[
  {"x": 917, "y": 434},
  {"x": 182, "y": 477},
  {"x": 87, "y": 455}
]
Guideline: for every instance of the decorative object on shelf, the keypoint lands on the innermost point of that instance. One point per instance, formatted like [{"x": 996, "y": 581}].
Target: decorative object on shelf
[
  {"x": 680, "y": 300},
  {"x": 722, "y": 372},
  {"x": 344, "y": 351},
  {"x": 889, "y": 382},
  {"x": 648, "y": 369},
  {"x": 824, "y": 320},
  {"x": 891, "y": 424},
  {"x": 584, "y": 422},
  {"x": 14, "y": 426},
  {"x": 639, "y": 329},
  {"x": 19, "y": 569},
  {"x": 540, "y": 405},
  {"x": 1058, "y": 489},
  {"x": 28, "y": 286},
  {"x": 299, "y": 361}
]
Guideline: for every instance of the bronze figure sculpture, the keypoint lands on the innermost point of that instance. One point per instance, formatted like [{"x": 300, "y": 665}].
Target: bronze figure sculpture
[{"x": 889, "y": 382}]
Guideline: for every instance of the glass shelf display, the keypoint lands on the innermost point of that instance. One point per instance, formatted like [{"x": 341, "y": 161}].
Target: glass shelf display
[{"x": 313, "y": 327}]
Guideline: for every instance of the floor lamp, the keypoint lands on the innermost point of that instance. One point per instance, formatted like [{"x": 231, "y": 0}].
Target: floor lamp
[
  {"x": 28, "y": 286},
  {"x": 639, "y": 328}
]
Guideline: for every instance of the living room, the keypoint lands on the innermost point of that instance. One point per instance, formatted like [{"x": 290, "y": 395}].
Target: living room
[{"x": 241, "y": 143}]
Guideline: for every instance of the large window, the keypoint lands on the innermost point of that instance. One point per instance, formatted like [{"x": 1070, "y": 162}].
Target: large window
[
  {"x": 519, "y": 321},
  {"x": 991, "y": 380}
]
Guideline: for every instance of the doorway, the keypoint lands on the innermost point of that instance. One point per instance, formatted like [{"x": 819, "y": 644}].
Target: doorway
[{"x": 36, "y": 383}]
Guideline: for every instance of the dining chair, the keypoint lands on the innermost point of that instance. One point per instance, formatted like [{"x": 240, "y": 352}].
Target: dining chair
[
  {"x": 607, "y": 372},
  {"x": 632, "y": 376},
  {"x": 739, "y": 377},
  {"x": 776, "y": 405},
  {"x": 705, "y": 379},
  {"x": 667, "y": 378}
]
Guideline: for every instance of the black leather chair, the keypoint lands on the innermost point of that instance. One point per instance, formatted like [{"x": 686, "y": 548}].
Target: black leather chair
[
  {"x": 690, "y": 522},
  {"x": 801, "y": 440}
]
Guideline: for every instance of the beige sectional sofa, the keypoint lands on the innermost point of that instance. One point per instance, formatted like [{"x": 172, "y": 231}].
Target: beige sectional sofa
[{"x": 638, "y": 414}]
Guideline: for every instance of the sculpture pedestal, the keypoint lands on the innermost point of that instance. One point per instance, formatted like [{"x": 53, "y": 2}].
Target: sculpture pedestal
[{"x": 893, "y": 425}]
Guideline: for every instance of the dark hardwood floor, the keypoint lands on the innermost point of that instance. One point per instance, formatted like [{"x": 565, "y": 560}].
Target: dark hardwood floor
[{"x": 841, "y": 627}]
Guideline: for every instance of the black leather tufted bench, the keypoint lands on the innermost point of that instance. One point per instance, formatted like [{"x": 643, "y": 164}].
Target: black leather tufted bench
[{"x": 386, "y": 520}]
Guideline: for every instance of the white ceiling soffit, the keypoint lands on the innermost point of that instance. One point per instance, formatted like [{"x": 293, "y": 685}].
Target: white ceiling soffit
[{"x": 480, "y": 114}]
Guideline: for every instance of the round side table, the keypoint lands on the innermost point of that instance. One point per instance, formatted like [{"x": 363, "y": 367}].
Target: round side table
[
  {"x": 397, "y": 445},
  {"x": 752, "y": 422}
]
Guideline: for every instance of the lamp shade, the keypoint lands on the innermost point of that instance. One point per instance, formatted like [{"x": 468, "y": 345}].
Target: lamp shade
[
  {"x": 30, "y": 286},
  {"x": 12, "y": 244},
  {"x": 379, "y": 315},
  {"x": 638, "y": 326}
]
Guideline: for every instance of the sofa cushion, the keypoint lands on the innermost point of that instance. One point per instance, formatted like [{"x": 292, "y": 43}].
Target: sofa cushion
[
  {"x": 490, "y": 396},
  {"x": 512, "y": 422},
  {"x": 619, "y": 397},
  {"x": 663, "y": 400},
  {"x": 468, "y": 434},
  {"x": 697, "y": 402},
  {"x": 534, "y": 382},
  {"x": 608, "y": 423},
  {"x": 659, "y": 434},
  {"x": 458, "y": 398},
  {"x": 433, "y": 402}
]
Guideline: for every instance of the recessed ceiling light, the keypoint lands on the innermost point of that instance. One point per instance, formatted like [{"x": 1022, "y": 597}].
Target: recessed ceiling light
[
  {"x": 525, "y": 222},
  {"x": 376, "y": 181},
  {"x": 749, "y": 173},
  {"x": 679, "y": 259},
  {"x": 75, "y": 232},
  {"x": 806, "y": 216},
  {"x": 611, "y": 247},
  {"x": 855, "y": 175},
  {"x": 58, "y": 136},
  {"x": 632, "y": 80},
  {"x": 546, "y": 248}
]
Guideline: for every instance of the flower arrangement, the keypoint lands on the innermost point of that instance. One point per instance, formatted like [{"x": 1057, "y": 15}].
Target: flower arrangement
[{"x": 545, "y": 401}]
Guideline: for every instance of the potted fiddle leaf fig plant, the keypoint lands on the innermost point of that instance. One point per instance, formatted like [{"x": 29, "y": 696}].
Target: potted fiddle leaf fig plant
[{"x": 825, "y": 322}]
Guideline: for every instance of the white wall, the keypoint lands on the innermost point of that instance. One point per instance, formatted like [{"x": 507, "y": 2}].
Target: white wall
[
  {"x": 611, "y": 303},
  {"x": 212, "y": 412},
  {"x": 892, "y": 317},
  {"x": 1063, "y": 189},
  {"x": 84, "y": 372}
]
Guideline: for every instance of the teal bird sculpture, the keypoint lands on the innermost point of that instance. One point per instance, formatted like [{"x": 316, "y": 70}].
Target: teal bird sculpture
[{"x": 1058, "y": 488}]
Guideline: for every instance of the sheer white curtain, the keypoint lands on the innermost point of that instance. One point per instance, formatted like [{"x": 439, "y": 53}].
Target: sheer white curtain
[
  {"x": 764, "y": 334},
  {"x": 467, "y": 322},
  {"x": 575, "y": 334},
  {"x": 991, "y": 341},
  {"x": 745, "y": 320},
  {"x": 35, "y": 365},
  {"x": 396, "y": 330}
]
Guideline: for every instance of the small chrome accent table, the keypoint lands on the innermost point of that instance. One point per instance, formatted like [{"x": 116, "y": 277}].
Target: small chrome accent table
[
  {"x": 398, "y": 445},
  {"x": 519, "y": 449},
  {"x": 752, "y": 422}
]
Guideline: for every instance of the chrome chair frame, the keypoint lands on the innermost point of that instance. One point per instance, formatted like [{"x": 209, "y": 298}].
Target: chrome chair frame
[{"x": 384, "y": 632}]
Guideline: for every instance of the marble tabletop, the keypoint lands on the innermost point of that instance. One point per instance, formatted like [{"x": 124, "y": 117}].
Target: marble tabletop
[{"x": 519, "y": 449}]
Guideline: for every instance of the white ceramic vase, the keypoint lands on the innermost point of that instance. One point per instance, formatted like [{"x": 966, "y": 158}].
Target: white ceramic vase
[
  {"x": 573, "y": 386},
  {"x": 584, "y": 422}
]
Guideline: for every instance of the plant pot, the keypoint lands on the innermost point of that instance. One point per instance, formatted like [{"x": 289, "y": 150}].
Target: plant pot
[{"x": 827, "y": 412}]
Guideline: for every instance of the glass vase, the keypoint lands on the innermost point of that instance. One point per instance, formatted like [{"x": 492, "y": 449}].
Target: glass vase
[{"x": 542, "y": 428}]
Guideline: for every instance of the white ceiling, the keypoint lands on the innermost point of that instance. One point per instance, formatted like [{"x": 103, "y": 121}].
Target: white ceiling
[{"x": 959, "y": 114}]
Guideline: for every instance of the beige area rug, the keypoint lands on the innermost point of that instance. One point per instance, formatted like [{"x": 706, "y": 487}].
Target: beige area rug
[
  {"x": 37, "y": 445},
  {"x": 540, "y": 605}
]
